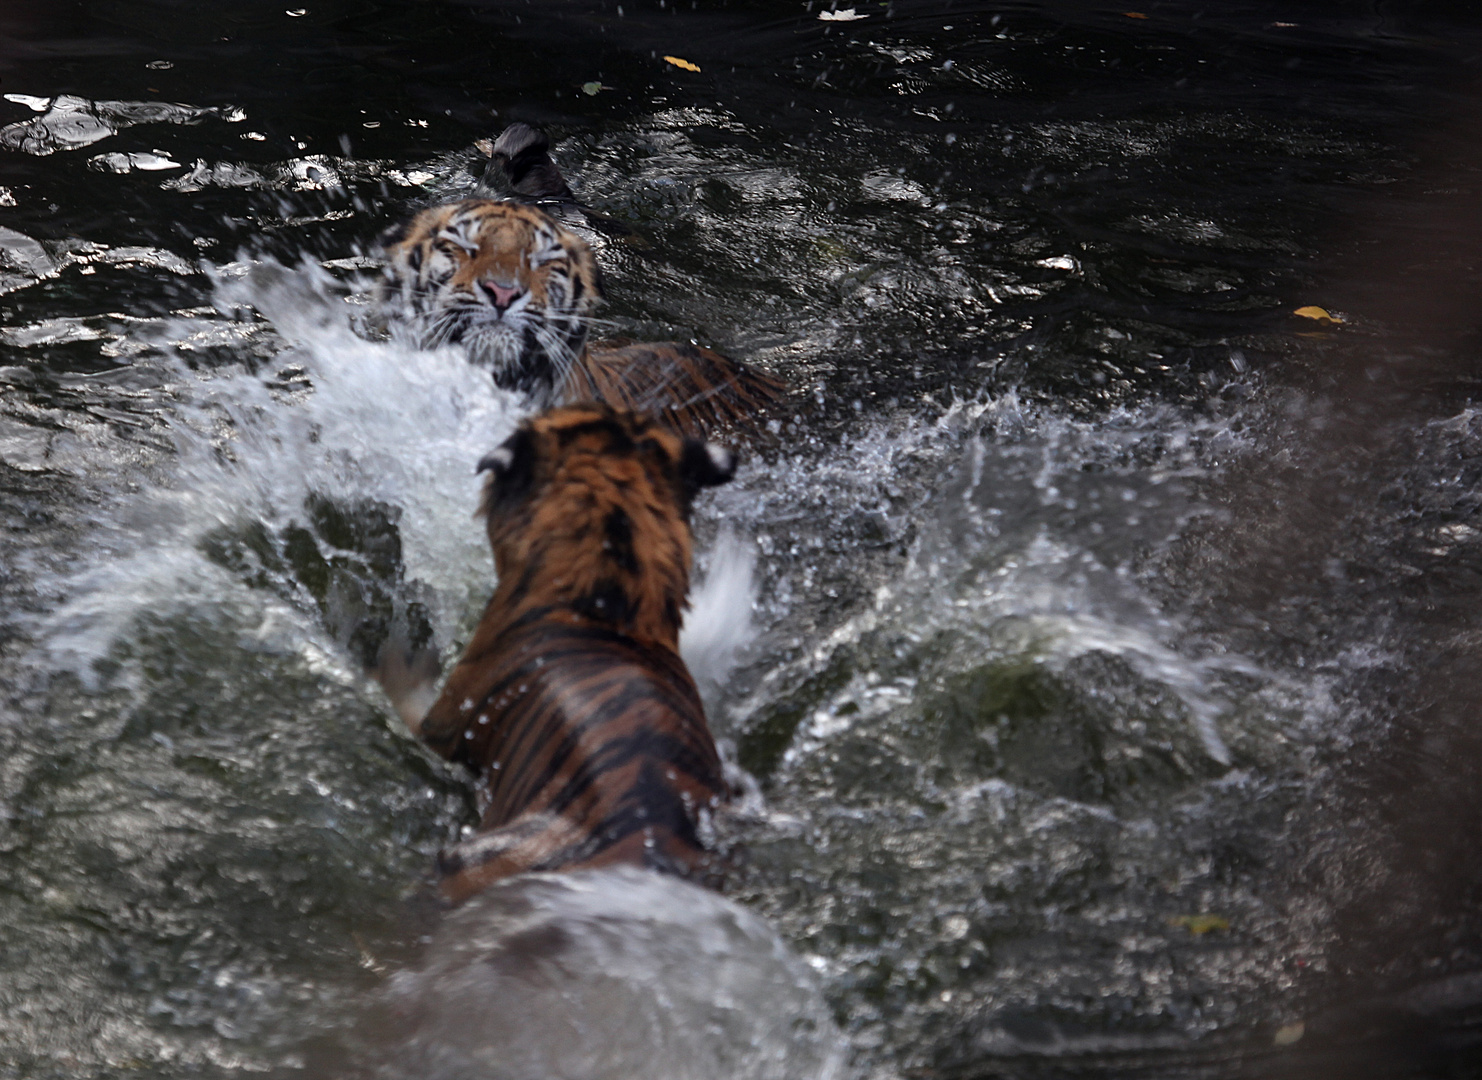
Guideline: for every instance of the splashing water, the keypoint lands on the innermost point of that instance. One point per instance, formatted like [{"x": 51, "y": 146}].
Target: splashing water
[
  {"x": 617, "y": 973},
  {"x": 985, "y": 709},
  {"x": 719, "y": 623},
  {"x": 1019, "y": 554},
  {"x": 1029, "y": 547},
  {"x": 333, "y": 417}
]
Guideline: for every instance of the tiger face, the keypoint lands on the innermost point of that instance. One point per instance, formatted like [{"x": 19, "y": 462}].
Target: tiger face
[{"x": 504, "y": 281}]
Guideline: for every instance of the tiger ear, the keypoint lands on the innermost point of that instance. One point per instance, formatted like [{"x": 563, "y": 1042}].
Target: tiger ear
[
  {"x": 394, "y": 234},
  {"x": 496, "y": 461},
  {"x": 511, "y": 468},
  {"x": 705, "y": 464}
]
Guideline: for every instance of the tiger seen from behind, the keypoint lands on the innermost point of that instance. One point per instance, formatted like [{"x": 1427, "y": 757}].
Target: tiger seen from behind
[{"x": 571, "y": 701}]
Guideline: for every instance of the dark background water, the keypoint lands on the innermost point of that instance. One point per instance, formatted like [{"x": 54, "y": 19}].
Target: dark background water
[{"x": 1086, "y": 228}]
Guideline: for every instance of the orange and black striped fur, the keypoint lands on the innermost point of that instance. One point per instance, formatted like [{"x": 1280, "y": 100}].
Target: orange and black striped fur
[
  {"x": 517, "y": 290},
  {"x": 571, "y": 701}
]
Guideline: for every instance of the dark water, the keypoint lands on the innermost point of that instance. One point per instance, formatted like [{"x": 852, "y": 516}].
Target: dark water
[{"x": 1111, "y": 701}]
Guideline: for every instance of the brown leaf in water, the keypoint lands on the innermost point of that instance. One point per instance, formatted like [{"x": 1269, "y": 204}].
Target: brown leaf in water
[{"x": 677, "y": 62}]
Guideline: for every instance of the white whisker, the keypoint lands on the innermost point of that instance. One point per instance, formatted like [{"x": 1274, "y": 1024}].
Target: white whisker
[{"x": 557, "y": 351}]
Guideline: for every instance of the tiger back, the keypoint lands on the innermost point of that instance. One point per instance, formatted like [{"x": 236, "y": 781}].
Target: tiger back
[{"x": 571, "y": 701}]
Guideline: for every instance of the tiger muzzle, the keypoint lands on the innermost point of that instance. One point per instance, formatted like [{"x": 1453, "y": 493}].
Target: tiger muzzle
[{"x": 500, "y": 295}]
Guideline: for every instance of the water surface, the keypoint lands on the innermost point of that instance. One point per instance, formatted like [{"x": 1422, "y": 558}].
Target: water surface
[{"x": 1108, "y": 706}]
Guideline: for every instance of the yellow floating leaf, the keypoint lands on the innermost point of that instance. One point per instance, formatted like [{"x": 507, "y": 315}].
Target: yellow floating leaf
[
  {"x": 1200, "y": 924},
  {"x": 1320, "y": 314},
  {"x": 677, "y": 62},
  {"x": 484, "y": 146},
  {"x": 1288, "y": 1034}
]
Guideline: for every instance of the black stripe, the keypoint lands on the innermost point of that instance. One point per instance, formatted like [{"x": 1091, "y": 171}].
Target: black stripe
[
  {"x": 603, "y": 712},
  {"x": 618, "y": 439},
  {"x": 617, "y": 530},
  {"x": 617, "y": 753},
  {"x": 631, "y": 696},
  {"x": 616, "y": 709},
  {"x": 660, "y": 809}
]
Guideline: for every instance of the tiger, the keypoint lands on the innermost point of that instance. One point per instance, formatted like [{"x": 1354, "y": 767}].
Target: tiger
[
  {"x": 516, "y": 290},
  {"x": 571, "y": 702}
]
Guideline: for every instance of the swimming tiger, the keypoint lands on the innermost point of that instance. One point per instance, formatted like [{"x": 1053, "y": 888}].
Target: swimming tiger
[
  {"x": 516, "y": 290},
  {"x": 571, "y": 701}
]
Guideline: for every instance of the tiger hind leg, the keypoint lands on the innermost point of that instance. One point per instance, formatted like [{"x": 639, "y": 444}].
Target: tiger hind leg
[{"x": 525, "y": 844}]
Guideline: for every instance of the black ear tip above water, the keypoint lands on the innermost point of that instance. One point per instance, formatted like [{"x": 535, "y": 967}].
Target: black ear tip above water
[
  {"x": 520, "y": 165},
  {"x": 520, "y": 138},
  {"x": 706, "y": 464}
]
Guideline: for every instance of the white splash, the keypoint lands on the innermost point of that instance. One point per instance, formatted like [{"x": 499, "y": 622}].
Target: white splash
[
  {"x": 371, "y": 421},
  {"x": 719, "y": 622},
  {"x": 374, "y": 421},
  {"x": 1024, "y": 549},
  {"x": 605, "y": 975},
  {"x": 69, "y": 122}
]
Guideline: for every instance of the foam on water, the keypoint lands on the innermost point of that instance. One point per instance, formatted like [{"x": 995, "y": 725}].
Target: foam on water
[
  {"x": 617, "y": 973},
  {"x": 1026, "y": 541},
  {"x": 359, "y": 420},
  {"x": 355, "y": 421}
]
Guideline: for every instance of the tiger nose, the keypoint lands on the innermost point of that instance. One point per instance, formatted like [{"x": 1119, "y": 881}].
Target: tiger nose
[{"x": 502, "y": 295}]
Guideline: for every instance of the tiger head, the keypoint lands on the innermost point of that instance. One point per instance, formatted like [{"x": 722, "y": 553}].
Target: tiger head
[
  {"x": 588, "y": 509},
  {"x": 503, "y": 280}
]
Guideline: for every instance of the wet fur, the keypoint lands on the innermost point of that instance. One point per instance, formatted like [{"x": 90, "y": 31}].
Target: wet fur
[
  {"x": 521, "y": 163},
  {"x": 452, "y": 264},
  {"x": 449, "y": 265},
  {"x": 571, "y": 701}
]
